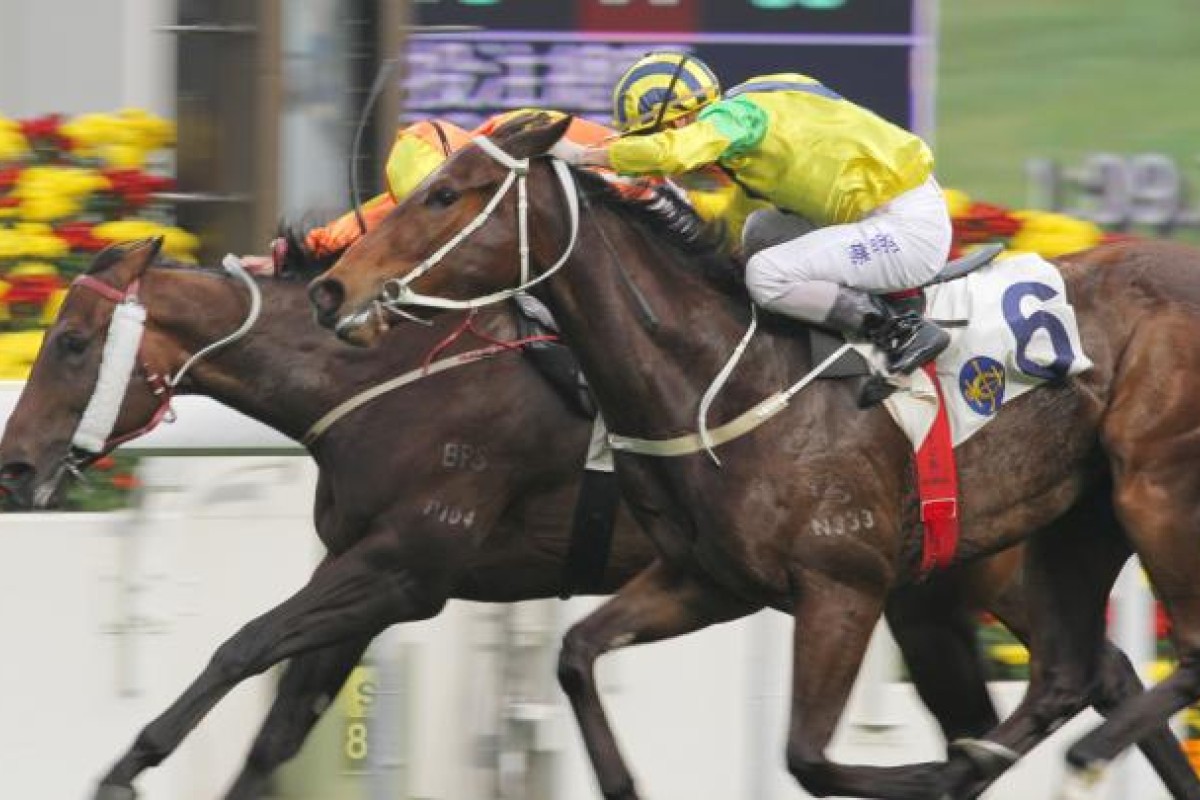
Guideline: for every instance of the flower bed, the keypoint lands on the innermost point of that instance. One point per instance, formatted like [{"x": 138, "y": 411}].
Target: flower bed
[
  {"x": 1026, "y": 231},
  {"x": 69, "y": 188}
]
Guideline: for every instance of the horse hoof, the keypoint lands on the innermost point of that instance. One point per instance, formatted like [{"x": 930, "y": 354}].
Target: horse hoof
[
  {"x": 989, "y": 758},
  {"x": 1080, "y": 783},
  {"x": 110, "y": 791}
]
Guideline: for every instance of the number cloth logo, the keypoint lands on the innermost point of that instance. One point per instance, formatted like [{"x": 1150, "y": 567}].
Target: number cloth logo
[{"x": 981, "y": 381}]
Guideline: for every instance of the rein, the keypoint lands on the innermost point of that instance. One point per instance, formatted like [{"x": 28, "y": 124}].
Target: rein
[
  {"x": 428, "y": 367},
  {"x": 123, "y": 349},
  {"x": 398, "y": 292}
]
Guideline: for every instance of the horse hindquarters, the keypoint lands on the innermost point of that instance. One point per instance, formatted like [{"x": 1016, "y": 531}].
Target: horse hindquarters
[{"x": 1151, "y": 432}]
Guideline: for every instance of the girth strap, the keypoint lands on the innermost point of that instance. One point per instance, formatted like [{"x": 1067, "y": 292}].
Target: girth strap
[{"x": 591, "y": 534}]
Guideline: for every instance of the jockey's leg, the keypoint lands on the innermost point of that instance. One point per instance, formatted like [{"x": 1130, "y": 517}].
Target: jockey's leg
[{"x": 832, "y": 275}]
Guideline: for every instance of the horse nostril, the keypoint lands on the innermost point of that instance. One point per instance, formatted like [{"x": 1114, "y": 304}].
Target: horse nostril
[
  {"x": 326, "y": 297},
  {"x": 14, "y": 475}
]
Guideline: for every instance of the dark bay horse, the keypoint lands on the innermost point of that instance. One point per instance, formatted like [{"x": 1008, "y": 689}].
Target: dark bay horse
[
  {"x": 1097, "y": 464},
  {"x": 380, "y": 469}
]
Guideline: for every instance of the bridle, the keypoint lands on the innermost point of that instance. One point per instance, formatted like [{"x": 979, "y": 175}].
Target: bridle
[
  {"x": 122, "y": 351},
  {"x": 398, "y": 292}
]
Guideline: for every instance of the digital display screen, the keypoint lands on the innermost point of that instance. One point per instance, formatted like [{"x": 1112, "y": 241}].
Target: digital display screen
[
  {"x": 569, "y": 55},
  {"x": 730, "y": 16}
]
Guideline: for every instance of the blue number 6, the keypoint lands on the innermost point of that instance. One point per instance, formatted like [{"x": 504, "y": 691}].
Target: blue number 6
[{"x": 1024, "y": 327}]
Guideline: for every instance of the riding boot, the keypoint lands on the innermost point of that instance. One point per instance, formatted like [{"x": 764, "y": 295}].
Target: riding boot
[{"x": 907, "y": 339}]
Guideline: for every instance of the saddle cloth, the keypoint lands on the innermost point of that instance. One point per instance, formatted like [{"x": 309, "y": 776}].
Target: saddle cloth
[{"x": 1012, "y": 329}]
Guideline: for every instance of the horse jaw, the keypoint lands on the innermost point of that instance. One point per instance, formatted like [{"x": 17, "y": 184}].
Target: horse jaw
[
  {"x": 47, "y": 494},
  {"x": 364, "y": 327}
]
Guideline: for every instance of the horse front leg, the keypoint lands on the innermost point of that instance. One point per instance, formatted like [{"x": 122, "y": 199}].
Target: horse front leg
[
  {"x": 308, "y": 686},
  {"x": 354, "y": 597},
  {"x": 833, "y": 625},
  {"x": 660, "y": 603}
]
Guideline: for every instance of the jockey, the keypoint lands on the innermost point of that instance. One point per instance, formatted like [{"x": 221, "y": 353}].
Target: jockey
[
  {"x": 422, "y": 147},
  {"x": 417, "y": 151},
  {"x": 867, "y": 184}
]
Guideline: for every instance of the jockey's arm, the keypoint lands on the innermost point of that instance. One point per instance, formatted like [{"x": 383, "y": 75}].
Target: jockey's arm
[{"x": 723, "y": 130}]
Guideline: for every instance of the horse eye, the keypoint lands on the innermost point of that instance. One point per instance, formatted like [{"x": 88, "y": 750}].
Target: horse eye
[
  {"x": 72, "y": 343},
  {"x": 443, "y": 196}
]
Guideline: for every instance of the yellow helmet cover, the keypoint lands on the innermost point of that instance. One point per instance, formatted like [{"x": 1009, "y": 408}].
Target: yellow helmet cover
[{"x": 660, "y": 87}]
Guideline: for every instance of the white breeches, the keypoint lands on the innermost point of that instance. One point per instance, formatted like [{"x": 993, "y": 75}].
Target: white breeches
[{"x": 899, "y": 245}]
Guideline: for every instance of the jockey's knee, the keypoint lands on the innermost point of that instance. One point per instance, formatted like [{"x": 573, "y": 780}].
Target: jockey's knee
[{"x": 766, "y": 279}]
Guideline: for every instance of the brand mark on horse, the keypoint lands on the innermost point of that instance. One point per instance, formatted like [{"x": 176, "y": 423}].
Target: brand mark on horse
[
  {"x": 459, "y": 455},
  {"x": 451, "y": 515},
  {"x": 845, "y": 523}
]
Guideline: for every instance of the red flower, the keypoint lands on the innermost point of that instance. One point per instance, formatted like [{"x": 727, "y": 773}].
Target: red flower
[
  {"x": 125, "y": 482},
  {"x": 41, "y": 127},
  {"x": 104, "y": 463},
  {"x": 984, "y": 222},
  {"x": 9, "y": 177},
  {"x": 1112, "y": 237},
  {"x": 46, "y": 132},
  {"x": 1162, "y": 623},
  {"x": 78, "y": 236},
  {"x": 33, "y": 290},
  {"x": 136, "y": 187}
]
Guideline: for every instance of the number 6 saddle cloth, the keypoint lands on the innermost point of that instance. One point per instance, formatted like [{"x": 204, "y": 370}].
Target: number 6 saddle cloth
[{"x": 1012, "y": 328}]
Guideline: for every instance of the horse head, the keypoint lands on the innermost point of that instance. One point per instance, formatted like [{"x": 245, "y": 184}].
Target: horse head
[
  {"x": 94, "y": 381},
  {"x": 457, "y": 241}
]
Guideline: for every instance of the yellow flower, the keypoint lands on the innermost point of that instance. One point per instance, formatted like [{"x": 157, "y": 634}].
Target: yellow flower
[
  {"x": 1014, "y": 655},
  {"x": 31, "y": 240},
  {"x": 53, "y": 306},
  {"x": 121, "y": 140},
  {"x": 1050, "y": 234},
  {"x": 17, "y": 354},
  {"x": 12, "y": 143},
  {"x": 957, "y": 202},
  {"x": 53, "y": 192},
  {"x": 33, "y": 269},
  {"x": 177, "y": 243}
]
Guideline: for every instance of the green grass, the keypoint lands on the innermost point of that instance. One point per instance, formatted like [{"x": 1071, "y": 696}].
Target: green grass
[{"x": 1062, "y": 78}]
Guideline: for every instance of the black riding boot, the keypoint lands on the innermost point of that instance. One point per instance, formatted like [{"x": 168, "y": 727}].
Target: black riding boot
[{"x": 906, "y": 338}]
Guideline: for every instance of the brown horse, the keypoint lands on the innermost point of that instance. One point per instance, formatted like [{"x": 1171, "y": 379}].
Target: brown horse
[
  {"x": 1071, "y": 459},
  {"x": 386, "y": 472}
]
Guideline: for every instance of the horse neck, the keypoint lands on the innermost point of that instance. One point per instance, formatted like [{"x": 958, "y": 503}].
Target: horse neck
[
  {"x": 286, "y": 372},
  {"x": 650, "y": 377}
]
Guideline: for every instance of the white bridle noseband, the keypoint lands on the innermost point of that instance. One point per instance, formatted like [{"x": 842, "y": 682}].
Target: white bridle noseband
[
  {"x": 398, "y": 292},
  {"x": 122, "y": 347}
]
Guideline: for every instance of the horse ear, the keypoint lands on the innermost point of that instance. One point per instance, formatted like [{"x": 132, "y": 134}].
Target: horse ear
[
  {"x": 135, "y": 259},
  {"x": 535, "y": 141}
]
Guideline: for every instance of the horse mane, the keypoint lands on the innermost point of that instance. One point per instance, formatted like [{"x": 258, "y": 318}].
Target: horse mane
[
  {"x": 668, "y": 218},
  {"x": 300, "y": 264}
]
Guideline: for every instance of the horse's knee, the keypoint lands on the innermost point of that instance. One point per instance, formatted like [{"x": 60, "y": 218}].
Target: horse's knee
[
  {"x": 1117, "y": 680},
  {"x": 575, "y": 661},
  {"x": 236, "y": 659}
]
